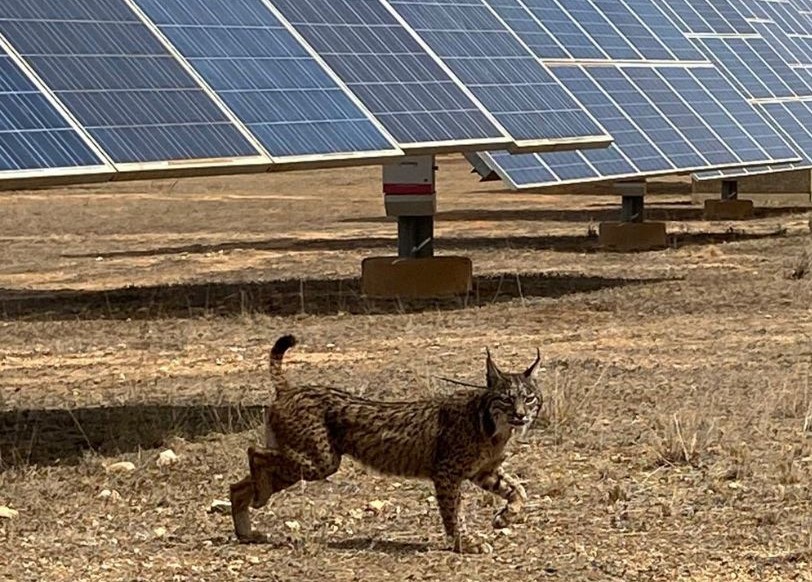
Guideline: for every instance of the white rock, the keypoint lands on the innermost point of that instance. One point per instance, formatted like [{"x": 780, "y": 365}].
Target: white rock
[
  {"x": 121, "y": 467},
  {"x": 167, "y": 457},
  {"x": 7, "y": 512},
  {"x": 109, "y": 495},
  {"x": 159, "y": 532},
  {"x": 220, "y": 506},
  {"x": 293, "y": 525}
]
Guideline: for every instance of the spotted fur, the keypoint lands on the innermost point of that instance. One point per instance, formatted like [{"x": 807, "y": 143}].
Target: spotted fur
[{"x": 447, "y": 439}]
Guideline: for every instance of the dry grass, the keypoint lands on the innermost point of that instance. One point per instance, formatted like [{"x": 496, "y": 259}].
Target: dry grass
[{"x": 674, "y": 444}]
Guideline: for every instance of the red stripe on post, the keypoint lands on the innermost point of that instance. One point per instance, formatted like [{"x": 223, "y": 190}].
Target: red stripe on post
[{"x": 405, "y": 189}]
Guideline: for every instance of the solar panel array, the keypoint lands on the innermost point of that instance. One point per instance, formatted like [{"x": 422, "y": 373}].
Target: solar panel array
[
  {"x": 117, "y": 80},
  {"x": 762, "y": 46},
  {"x": 667, "y": 107},
  {"x": 118, "y": 87},
  {"x": 128, "y": 86}
]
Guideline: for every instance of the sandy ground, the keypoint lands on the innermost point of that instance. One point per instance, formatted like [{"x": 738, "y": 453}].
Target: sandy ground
[{"x": 675, "y": 442}]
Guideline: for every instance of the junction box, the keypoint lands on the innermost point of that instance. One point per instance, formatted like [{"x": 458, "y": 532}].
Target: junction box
[
  {"x": 632, "y": 232},
  {"x": 410, "y": 196}
]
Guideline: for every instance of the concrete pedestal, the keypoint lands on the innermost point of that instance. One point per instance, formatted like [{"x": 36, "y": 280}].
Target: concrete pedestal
[
  {"x": 728, "y": 209},
  {"x": 632, "y": 236},
  {"x": 411, "y": 278},
  {"x": 790, "y": 188}
]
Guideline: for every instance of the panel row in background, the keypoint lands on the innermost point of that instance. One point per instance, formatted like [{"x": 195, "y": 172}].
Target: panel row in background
[
  {"x": 186, "y": 85},
  {"x": 771, "y": 62},
  {"x": 676, "y": 113}
]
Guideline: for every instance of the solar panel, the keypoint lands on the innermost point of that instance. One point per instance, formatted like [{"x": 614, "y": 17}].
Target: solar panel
[
  {"x": 500, "y": 71},
  {"x": 268, "y": 79},
  {"x": 36, "y": 139},
  {"x": 117, "y": 80},
  {"x": 417, "y": 101},
  {"x": 667, "y": 108},
  {"x": 765, "y": 59}
]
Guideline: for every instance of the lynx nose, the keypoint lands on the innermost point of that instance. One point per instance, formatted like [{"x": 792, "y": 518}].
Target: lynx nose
[{"x": 519, "y": 419}]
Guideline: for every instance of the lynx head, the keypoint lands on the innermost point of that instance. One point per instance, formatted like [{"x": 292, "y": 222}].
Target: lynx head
[{"x": 515, "y": 398}]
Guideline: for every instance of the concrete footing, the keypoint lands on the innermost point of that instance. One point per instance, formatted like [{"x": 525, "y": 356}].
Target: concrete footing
[
  {"x": 411, "y": 278},
  {"x": 789, "y": 188},
  {"x": 728, "y": 209},
  {"x": 632, "y": 236}
]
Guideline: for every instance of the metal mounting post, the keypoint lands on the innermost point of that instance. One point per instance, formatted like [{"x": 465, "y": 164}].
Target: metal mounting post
[
  {"x": 730, "y": 190},
  {"x": 415, "y": 236},
  {"x": 633, "y": 200}
]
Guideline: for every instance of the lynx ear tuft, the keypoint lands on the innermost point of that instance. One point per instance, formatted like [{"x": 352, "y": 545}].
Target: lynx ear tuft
[
  {"x": 492, "y": 372},
  {"x": 533, "y": 370}
]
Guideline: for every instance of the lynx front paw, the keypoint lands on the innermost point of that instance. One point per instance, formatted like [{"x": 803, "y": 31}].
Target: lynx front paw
[{"x": 506, "y": 517}]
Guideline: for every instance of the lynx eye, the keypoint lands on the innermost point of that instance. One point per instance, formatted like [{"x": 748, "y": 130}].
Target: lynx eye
[{"x": 531, "y": 399}]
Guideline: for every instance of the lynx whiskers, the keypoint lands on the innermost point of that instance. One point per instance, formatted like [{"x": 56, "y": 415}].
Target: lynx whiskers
[{"x": 447, "y": 439}]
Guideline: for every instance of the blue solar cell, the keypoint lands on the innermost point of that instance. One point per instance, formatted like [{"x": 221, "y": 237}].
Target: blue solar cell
[
  {"x": 603, "y": 33},
  {"x": 735, "y": 122},
  {"x": 760, "y": 66},
  {"x": 120, "y": 83},
  {"x": 657, "y": 128},
  {"x": 612, "y": 161},
  {"x": 33, "y": 134},
  {"x": 633, "y": 31},
  {"x": 569, "y": 166},
  {"x": 395, "y": 78},
  {"x": 529, "y": 29},
  {"x": 628, "y": 137},
  {"x": 664, "y": 31},
  {"x": 685, "y": 17},
  {"x": 722, "y": 17},
  {"x": 498, "y": 69},
  {"x": 794, "y": 119},
  {"x": 550, "y": 17},
  {"x": 273, "y": 85},
  {"x": 736, "y": 69},
  {"x": 771, "y": 69},
  {"x": 521, "y": 169},
  {"x": 682, "y": 116}
]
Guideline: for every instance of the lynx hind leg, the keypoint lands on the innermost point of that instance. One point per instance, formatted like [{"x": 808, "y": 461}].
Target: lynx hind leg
[
  {"x": 254, "y": 491},
  {"x": 242, "y": 493},
  {"x": 270, "y": 473},
  {"x": 508, "y": 488}
]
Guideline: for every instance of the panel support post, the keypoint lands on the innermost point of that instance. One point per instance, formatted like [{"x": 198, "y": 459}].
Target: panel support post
[
  {"x": 632, "y": 208},
  {"x": 729, "y": 207},
  {"x": 410, "y": 197},
  {"x": 632, "y": 233},
  {"x": 415, "y": 237}
]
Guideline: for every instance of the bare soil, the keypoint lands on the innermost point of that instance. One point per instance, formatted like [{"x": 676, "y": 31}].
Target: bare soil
[{"x": 134, "y": 317}]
